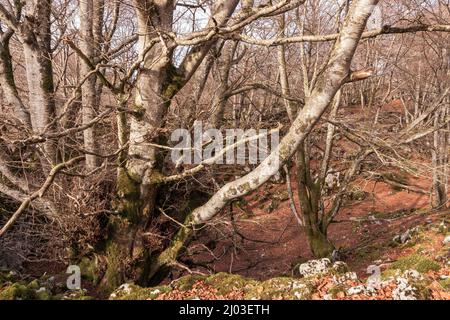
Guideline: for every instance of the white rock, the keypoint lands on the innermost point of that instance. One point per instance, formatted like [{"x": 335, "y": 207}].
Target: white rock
[
  {"x": 340, "y": 266},
  {"x": 412, "y": 274},
  {"x": 341, "y": 279},
  {"x": 404, "y": 290},
  {"x": 446, "y": 240},
  {"x": 405, "y": 237},
  {"x": 314, "y": 267},
  {"x": 298, "y": 285},
  {"x": 355, "y": 290},
  {"x": 126, "y": 288},
  {"x": 156, "y": 291}
]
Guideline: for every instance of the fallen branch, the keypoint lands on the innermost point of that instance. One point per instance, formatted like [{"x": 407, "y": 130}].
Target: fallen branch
[{"x": 399, "y": 184}]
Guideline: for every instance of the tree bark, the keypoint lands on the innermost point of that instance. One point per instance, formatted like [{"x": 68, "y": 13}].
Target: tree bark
[
  {"x": 35, "y": 36},
  {"x": 8, "y": 83},
  {"x": 158, "y": 81},
  {"x": 89, "y": 95}
]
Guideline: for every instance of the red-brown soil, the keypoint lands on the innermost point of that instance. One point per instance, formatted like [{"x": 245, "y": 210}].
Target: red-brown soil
[{"x": 273, "y": 243}]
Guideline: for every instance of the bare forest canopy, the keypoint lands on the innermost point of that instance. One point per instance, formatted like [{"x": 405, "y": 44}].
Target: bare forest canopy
[{"x": 94, "y": 91}]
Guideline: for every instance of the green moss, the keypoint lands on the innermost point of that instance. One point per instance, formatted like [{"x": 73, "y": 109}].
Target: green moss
[
  {"x": 445, "y": 284},
  {"x": 320, "y": 245},
  {"x": 128, "y": 190},
  {"x": 176, "y": 247},
  {"x": 127, "y": 186},
  {"x": 173, "y": 84},
  {"x": 244, "y": 188},
  {"x": 135, "y": 292},
  {"x": 17, "y": 291},
  {"x": 76, "y": 295},
  {"x": 89, "y": 269},
  {"x": 43, "y": 295},
  {"x": 113, "y": 276},
  {"x": 225, "y": 282},
  {"x": 34, "y": 284},
  {"x": 138, "y": 111},
  {"x": 357, "y": 195},
  {"x": 417, "y": 262},
  {"x": 157, "y": 177},
  {"x": 186, "y": 283},
  {"x": 388, "y": 273}
]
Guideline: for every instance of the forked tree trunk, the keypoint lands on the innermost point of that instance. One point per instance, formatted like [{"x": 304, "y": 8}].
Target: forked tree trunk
[
  {"x": 310, "y": 197},
  {"x": 159, "y": 80},
  {"x": 309, "y": 193}
]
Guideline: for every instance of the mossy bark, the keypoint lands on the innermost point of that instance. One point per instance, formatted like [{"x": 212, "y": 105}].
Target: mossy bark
[
  {"x": 124, "y": 247},
  {"x": 158, "y": 82},
  {"x": 320, "y": 246},
  {"x": 309, "y": 194}
]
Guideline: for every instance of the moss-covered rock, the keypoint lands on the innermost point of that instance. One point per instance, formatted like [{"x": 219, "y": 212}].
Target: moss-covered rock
[
  {"x": 17, "y": 291},
  {"x": 23, "y": 291},
  {"x": 224, "y": 284},
  {"x": 133, "y": 292}
]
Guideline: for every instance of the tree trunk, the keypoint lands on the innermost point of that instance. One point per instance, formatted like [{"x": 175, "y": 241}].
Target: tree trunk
[
  {"x": 439, "y": 154},
  {"x": 89, "y": 97},
  {"x": 319, "y": 244},
  {"x": 158, "y": 81},
  {"x": 8, "y": 84},
  {"x": 36, "y": 40},
  {"x": 220, "y": 98}
]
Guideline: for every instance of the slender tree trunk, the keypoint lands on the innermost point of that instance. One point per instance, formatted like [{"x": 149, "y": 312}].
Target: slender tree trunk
[
  {"x": 8, "y": 84},
  {"x": 89, "y": 97},
  {"x": 440, "y": 161},
  {"x": 36, "y": 39},
  {"x": 220, "y": 98}
]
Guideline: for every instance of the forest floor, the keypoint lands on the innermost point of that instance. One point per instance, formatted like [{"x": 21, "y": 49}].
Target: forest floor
[
  {"x": 271, "y": 243},
  {"x": 257, "y": 254},
  {"x": 262, "y": 239}
]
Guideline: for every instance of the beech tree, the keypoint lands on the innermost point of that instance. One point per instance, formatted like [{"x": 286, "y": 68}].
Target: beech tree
[{"x": 93, "y": 89}]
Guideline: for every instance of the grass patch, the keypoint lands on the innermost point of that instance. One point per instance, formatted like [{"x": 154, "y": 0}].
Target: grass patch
[
  {"x": 417, "y": 262},
  {"x": 445, "y": 284}
]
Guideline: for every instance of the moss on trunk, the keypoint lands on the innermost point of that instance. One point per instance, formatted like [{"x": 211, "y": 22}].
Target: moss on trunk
[
  {"x": 169, "y": 256},
  {"x": 320, "y": 246}
]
